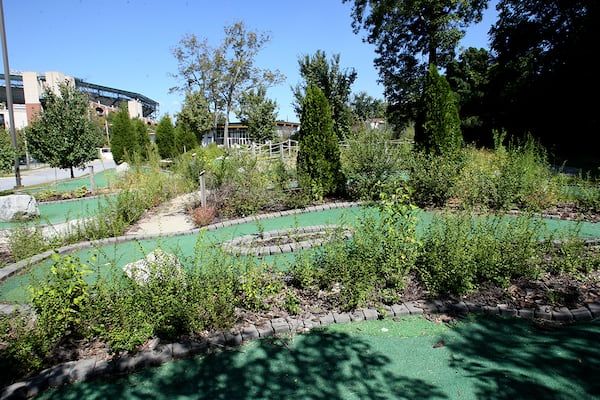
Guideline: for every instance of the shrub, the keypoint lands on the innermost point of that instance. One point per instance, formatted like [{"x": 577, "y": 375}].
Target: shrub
[
  {"x": 463, "y": 251},
  {"x": 60, "y": 298},
  {"x": 371, "y": 164},
  {"x": 203, "y": 216},
  {"x": 433, "y": 178},
  {"x": 21, "y": 346},
  {"x": 378, "y": 257}
]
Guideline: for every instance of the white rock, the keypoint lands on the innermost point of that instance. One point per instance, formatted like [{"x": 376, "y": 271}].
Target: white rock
[
  {"x": 17, "y": 207},
  {"x": 157, "y": 265},
  {"x": 122, "y": 169}
]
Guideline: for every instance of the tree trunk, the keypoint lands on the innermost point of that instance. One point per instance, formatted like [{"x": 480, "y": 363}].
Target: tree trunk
[{"x": 72, "y": 173}]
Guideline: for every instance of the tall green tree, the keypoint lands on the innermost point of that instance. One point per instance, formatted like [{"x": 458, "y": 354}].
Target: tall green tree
[
  {"x": 318, "y": 159},
  {"x": 335, "y": 84},
  {"x": 195, "y": 116},
  {"x": 122, "y": 136},
  {"x": 259, "y": 114},
  {"x": 224, "y": 72},
  {"x": 542, "y": 77},
  {"x": 165, "y": 137},
  {"x": 7, "y": 152},
  {"x": 141, "y": 137},
  {"x": 366, "y": 107},
  {"x": 469, "y": 78},
  {"x": 438, "y": 131},
  {"x": 200, "y": 73},
  {"x": 185, "y": 140},
  {"x": 64, "y": 136},
  {"x": 408, "y": 36}
]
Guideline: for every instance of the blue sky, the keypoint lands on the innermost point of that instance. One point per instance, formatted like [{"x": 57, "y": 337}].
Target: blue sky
[{"x": 127, "y": 44}]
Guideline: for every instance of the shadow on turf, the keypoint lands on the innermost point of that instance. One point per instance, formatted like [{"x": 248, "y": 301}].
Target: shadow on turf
[
  {"x": 322, "y": 365},
  {"x": 512, "y": 358}
]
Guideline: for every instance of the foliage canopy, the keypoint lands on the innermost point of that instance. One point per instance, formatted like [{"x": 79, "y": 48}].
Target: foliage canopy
[{"x": 64, "y": 136}]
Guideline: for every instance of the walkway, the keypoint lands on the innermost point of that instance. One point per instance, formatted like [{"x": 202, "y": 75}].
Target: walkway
[{"x": 42, "y": 175}]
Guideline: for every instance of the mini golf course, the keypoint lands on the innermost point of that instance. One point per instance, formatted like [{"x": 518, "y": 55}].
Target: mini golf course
[
  {"x": 131, "y": 249},
  {"x": 483, "y": 356}
]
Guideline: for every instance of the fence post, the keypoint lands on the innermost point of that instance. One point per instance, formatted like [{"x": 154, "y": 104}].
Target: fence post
[
  {"x": 92, "y": 180},
  {"x": 202, "y": 190}
]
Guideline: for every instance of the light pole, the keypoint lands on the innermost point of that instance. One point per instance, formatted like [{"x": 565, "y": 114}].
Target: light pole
[{"x": 9, "y": 98}]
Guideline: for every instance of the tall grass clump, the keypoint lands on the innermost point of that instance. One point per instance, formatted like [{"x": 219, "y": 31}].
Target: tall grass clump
[{"x": 526, "y": 179}]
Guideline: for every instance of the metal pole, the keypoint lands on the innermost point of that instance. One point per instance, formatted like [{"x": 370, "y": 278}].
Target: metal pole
[{"x": 9, "y": 98}]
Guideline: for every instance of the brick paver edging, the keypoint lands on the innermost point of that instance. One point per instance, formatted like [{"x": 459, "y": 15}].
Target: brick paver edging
[
  {"x": 12, "y": 269},
  {"x": 159, "y": 353}
]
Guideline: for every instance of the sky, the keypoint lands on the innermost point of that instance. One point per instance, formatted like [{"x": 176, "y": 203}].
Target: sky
[{"x": 127, "y": 44}]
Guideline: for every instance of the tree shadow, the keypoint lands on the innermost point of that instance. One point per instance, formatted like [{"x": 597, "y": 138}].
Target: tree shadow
[
  {"x": 319, "y": 365},
  {"x": 513, "y": 358}
]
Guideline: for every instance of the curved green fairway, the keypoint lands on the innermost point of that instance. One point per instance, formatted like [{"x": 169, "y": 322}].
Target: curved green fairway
[
  {"x": 483, "y": 357},
  {"x": 186, "y": 247},
  {"x": 59, "y": 212},
  {"x": 102, "y": 179}
]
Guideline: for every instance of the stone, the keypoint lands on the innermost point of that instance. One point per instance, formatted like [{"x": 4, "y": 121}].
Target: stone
[
  {"x": 122, "y": 169},
  {"x": 157, "y": 265},
  {"x": 18, "y": 207}
]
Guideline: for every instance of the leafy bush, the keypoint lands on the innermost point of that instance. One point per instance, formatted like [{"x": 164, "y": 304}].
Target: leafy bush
[
  {"x": 25, "y": 241},
  {"x": 21, "y": 346},
  {"x": 258, "y": 285},
  {"x": 378, "y": 257},
  {"x": 371, "y": 163},
  {"x": 433, "y": 178},
  {"x": 60, "y": 298},
  {"x": 463, "y": 251}
]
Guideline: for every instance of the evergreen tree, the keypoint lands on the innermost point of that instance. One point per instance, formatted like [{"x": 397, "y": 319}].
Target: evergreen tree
[
  {"x": 141, "y": 138},
  {"x": 437, "y": 130},
  {"x": 185, "y": 140},
  {"x": 318, "y": 160},
  {"x": 121, "y": 134},
  {"x": 165, "y": 137}
]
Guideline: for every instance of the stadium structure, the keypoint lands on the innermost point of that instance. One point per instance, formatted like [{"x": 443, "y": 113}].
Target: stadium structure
[{"x": 29, "y": 88}]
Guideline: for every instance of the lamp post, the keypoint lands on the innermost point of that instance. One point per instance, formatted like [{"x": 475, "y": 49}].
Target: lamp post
[{"x": 9, "y": 98}]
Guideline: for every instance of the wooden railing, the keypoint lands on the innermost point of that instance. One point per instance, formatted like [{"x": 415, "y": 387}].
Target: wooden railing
[{"x": 287, "y": 148}]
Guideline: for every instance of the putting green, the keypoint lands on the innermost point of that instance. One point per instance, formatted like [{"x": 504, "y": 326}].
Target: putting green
[
  {"x": 52, "y": 213},
  {"x": 102, "y": 179},
  {"x": 483, "y": 357}
]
